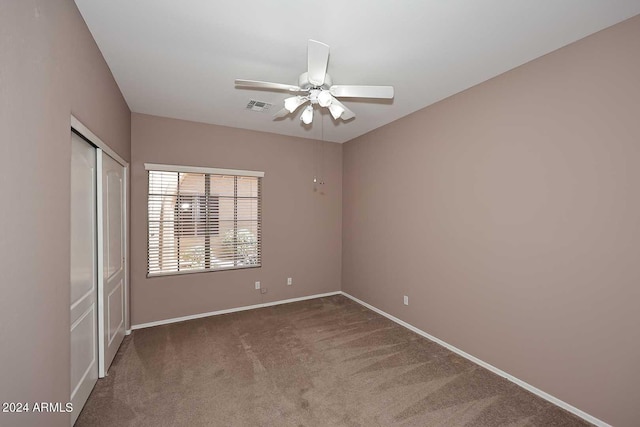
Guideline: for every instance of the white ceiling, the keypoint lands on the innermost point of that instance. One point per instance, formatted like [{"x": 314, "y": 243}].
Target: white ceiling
[{"x": 180, "y": 58}]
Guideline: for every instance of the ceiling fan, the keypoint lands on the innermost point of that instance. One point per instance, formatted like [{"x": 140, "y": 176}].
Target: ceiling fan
[{"x": 316, "y": 88}]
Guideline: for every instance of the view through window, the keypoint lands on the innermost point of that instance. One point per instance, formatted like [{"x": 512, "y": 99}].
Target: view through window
[{"x": 202, "y": 222}]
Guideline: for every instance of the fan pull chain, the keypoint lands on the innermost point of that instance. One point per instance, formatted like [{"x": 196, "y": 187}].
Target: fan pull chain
[
  {"x": 315, "y": 167},
  {"x": 321, "y": 149}
]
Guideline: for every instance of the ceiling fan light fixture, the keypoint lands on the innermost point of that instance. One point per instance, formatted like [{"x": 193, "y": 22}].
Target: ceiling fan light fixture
[
  {"x": 307, "y": 115},
  {"x": 315, "y": 86},
  {"x": 325, "y": 98},
  {"x": 336, "y": 111},
  {"x": 292, "y": 103}
]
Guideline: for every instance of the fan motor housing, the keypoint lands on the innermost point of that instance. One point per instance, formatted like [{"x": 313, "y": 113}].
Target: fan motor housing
[{"x": 303, "y": 82}]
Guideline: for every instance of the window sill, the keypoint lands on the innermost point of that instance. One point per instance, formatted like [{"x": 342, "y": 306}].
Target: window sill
[{"x": 212, "y": 270}]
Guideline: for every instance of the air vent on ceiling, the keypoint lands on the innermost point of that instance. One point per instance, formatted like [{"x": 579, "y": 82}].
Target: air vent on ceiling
[{"x": 254, "y": 105}]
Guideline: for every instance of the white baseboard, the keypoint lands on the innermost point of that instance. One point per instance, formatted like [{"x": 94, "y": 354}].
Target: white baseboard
[
  {"x": 524, "y": 385},
  {"x": 230, "y": 310}
]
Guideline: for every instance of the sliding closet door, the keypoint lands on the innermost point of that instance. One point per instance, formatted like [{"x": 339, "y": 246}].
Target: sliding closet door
[
  {"x": 111, "y": 292},
  {"x": 84, "y": 272}
]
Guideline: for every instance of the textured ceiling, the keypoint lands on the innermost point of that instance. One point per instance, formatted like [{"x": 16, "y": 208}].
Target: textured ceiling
[{"x": 180, "y": 58}]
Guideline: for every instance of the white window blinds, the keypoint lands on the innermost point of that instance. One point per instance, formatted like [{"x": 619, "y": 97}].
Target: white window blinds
[{"x": 203, "y": 221}]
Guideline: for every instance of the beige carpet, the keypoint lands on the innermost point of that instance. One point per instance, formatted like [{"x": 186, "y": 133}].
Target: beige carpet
[{"x": 322, "y": 362}]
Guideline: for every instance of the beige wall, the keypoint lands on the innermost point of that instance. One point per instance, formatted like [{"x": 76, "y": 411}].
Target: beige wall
[
  {"x": 301, "y": 229},
  {"x": 50, "y": 67},
  {"x": 510, "y": 216}
]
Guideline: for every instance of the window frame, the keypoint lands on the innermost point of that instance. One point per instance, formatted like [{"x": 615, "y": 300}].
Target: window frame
[{"x": 207, "y": 172}]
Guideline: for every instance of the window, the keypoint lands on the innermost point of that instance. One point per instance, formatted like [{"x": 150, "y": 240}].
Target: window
[{"x": 202, "y": 219}]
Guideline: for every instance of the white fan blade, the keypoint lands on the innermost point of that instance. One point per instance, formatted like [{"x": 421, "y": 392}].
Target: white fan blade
[
  {"x": 346, "y": 114},
  {"x": 267, "y": 85},
  {"x": 350, "y": 91},
  {"x": 317, "y": 60},
  {"x": 281, "y": 113}
]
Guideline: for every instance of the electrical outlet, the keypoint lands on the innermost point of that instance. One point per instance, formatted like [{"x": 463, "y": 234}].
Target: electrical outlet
[
  {"x": 263, "y": 290},
  {"x": 406, "y": 300},
  {"x": 289, "y": 281},
  {"x": 257, "y": 285}
]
